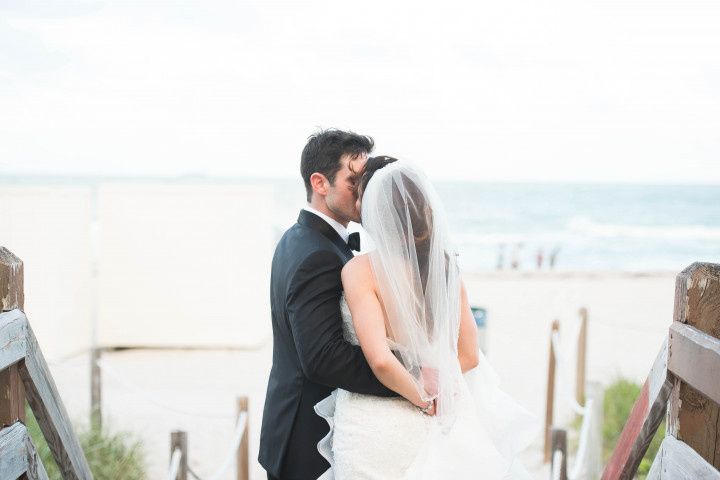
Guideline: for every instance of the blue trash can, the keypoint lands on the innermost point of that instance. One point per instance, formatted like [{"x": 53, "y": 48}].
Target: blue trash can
[{"x": 480, "y": 315}]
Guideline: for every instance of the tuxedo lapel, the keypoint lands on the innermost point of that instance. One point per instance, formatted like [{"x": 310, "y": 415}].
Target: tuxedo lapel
[{"x": 311, "y": 220}]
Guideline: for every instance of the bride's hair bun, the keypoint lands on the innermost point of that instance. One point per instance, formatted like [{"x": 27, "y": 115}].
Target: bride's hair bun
[
  {"x": 372, "y": 165},
  {"x": 412, "y": 199}
]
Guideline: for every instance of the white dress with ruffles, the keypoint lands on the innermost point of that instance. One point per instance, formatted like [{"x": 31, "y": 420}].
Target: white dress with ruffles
[{"x": 375, "y": 438}]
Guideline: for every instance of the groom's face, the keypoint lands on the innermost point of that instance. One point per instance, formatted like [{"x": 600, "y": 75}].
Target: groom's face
[{"x": 341, "y": 198}]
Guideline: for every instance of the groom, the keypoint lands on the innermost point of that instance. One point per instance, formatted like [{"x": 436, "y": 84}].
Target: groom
[{"x": 310, "y": 356}]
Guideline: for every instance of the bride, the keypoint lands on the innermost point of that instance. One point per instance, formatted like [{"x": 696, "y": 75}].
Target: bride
[{"x": 406, "y": 306}]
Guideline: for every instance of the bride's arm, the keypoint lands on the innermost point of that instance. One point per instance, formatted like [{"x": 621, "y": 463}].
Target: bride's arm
[
  {"x": 369, "y": 323},
  {"x": 467, "y": 340}
]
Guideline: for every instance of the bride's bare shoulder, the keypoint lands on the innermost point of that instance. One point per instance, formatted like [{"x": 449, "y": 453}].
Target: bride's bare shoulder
[{"x": 358, "y": 272}]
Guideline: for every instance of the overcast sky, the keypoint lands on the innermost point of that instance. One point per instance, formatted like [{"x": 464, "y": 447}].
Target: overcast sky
[{"x": 553, "y": 90}]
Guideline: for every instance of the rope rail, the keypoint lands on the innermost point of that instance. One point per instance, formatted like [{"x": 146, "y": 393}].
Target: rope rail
[
  {"x": 174, "y": 464},
  {"x": 140, "y": 392},
  {"x": 240, "y": 426},
  {"x": 586, "y": 411}
]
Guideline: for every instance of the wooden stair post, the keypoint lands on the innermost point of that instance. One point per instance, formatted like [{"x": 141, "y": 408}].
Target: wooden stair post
[
  {"x": 178, "y": 440},
  {"x": 12, "y": 393},
  {"x": 682, "y": 385},
  {"x": 550, "y": 394},
  {"x": 31, "y": 380},
  {"x": 581, "y": 367},
  {"x": 559, "y": 443},
  {"x": 242, "y": 460},
  {"x": 95, "y": 389},
  {"x": 693, "y": 417}
]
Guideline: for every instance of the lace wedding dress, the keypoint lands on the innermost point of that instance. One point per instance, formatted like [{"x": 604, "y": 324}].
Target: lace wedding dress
[
  {"x": 377, "y": 438},
  {"x": 478, "y": 429}
]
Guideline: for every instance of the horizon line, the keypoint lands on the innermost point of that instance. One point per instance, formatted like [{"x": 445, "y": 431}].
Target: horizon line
[{"x": 18, "y": 177}]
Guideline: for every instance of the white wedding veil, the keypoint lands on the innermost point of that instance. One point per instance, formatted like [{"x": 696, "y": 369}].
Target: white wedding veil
[{"x": 418, "y": 279}]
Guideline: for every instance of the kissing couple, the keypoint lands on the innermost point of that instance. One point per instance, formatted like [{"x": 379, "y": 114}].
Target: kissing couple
[{"x": 376, "y": 373}]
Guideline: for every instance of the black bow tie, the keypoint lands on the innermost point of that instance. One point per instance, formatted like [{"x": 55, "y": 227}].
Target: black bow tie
[{"x": 354, "y": 241}]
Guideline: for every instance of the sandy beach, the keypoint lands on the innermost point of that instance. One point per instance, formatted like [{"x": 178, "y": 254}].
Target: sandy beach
[{"x": 152, "y": 392}]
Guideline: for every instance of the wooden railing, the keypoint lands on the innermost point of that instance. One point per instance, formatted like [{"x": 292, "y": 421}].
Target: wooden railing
[
  {"x": 580, "y": 372},
  {"x": 24, "y": 375},
  {"x": 589, "y": 409},
  {"x": 684, "y": 385},
  {"x": 179, "y": 468}
]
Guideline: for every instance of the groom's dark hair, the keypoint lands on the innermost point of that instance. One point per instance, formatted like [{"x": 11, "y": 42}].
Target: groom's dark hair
[{"x": 323, "y": 152}]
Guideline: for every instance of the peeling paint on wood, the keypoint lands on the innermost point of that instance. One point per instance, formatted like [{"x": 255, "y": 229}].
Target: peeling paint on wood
[
  {"x": 645, "y": 417},
  {"x": 12, "y": 395},
  {"x": 677, "y": 461},
  {"x": 11, "y": 281},
  {"x": 18, "y": 454}
]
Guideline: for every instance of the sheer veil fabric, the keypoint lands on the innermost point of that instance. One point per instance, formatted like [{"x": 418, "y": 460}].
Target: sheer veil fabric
[
  {"x": 480, "y": 429},
  {"x": 416, "y": 271}
]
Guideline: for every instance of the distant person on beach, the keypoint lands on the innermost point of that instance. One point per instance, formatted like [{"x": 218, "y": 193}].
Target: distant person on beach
[
  {"x": 501, "y": 257},
  {"x": 539, "y": 258},
  {"x": 553, "y": 257},
  {"x": 515, "y": 262}
]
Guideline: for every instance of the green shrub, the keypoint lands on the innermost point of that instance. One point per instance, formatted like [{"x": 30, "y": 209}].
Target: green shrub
[
  {"x": 110, "y": 455},
  {"x": 620, "y": 397}
]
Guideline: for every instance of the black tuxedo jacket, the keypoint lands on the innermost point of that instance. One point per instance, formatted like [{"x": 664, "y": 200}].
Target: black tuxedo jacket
[{"x": 310, "y": 356}]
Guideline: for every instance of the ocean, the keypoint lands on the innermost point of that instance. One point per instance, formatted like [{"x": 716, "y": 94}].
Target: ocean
[{"x": 588, "y": 227}]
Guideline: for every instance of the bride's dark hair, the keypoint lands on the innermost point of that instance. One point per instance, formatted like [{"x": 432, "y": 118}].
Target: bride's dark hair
[
  {"x": 414, "y": 203},
  {"x": 372, "y": 165}
]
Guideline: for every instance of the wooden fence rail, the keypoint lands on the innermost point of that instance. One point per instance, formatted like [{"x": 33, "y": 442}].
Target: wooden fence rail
[
  {"x": 550, "y": 393},
  {"x": 558, "y": 465},
  {"x": 684, "y": 384},
  {"x": 179, "y": 449},
  {"x": 178, "y": 441},
  {"x": 12, "y": 402},
  {"x": 243, "y": 451},
  {"x": 20, "y": 352},
  {"x": 580, "y": 375},
  {"x": 18, "y": 455}
]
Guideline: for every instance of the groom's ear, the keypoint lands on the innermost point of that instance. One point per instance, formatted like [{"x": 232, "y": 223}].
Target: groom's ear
[{"x": 319, "y": 183}]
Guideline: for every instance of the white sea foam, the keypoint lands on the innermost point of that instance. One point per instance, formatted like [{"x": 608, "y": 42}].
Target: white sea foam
[
  {"x": 585, "y": 226},
  {"x": 475, "y": 238}
]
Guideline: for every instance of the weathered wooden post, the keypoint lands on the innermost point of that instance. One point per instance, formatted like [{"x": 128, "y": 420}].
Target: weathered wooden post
[
  {"x": 95, "y": 389},
  {"x": 594, "y": 455},
  {"x": 692, "y": 416},
  {"x": 178, "y": 439},
  {"x": 550, "y": 399},
  {"x": 559, "y": 443},
  {"x": 581, "y": 358},
  {"x": 243, "y": 457},
  {"x": 12, "y": 393}
]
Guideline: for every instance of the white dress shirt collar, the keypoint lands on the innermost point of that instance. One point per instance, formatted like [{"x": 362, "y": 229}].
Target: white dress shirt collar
[{"x": 342, "y": 231}]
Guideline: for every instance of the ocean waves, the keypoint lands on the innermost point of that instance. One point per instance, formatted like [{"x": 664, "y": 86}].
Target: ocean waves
[{"x": 586, "y": 226}]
